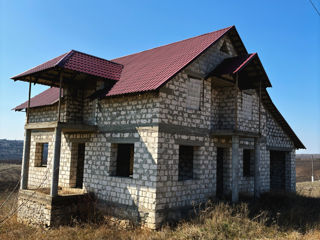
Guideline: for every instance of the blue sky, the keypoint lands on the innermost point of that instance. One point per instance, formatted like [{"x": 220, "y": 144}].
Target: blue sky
[{"x": 286, "y": 34}]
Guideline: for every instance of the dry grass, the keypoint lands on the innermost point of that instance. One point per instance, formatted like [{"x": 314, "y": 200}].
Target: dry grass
[
  {"x": 61, "y": 191},
  {"x": 274, "y": 216},
  {"x": 310, "y": 189}
]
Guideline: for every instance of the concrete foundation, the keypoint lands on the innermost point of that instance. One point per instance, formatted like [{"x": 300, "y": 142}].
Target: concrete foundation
[{"x": 36, "y": 208}]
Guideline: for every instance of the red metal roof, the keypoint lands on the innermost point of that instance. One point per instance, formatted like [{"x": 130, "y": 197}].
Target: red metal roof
[
  {"x": 148, "y": 70},
  {"x": 143, "y": 71},
  {"x": 47, "y": 97},
  {"x": 81, "y": 62}
]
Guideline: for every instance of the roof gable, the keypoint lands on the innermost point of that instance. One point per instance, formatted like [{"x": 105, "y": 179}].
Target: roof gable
[
  {"x": 249, "y": 69},
  {"x": 139, "y": 72},
  {"x": 150, "y": 69}
]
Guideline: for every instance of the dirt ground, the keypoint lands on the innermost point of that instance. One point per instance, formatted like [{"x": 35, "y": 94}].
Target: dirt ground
[
  {"x": 304, "y": 170},
  {"x": 9, "y": 176}
]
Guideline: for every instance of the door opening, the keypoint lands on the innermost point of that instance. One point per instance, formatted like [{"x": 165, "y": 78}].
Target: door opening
[
  {"x": 219, "y": 190},
  {"x": 80, "y": 165},
  {"x": 277, "y": 170}
]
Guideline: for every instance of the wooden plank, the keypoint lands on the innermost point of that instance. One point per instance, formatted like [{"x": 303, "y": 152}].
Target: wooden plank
[
  {"x": 28, "y": 108},
  {"x": 284, "y": 149},
  {"x": 193, "y": 74},
  {"x": 41, "y": 125},
  {"x": 66, "y": 127},
  {"x": 72, "y": 127},
  {"x": 60, "y": 93},
  {"x": 233, "y": 132}
]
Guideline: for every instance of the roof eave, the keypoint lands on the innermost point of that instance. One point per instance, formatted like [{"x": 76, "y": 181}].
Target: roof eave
[{"x": 291, "y": 134}]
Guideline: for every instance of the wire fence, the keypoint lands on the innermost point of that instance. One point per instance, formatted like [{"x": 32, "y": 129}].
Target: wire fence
[
  {"x": 304, "y": 170},
  {"x": 18, "y": 207}
]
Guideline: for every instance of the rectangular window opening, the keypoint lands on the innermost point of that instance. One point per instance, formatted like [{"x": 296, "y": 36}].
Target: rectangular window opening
[
  {"x": 247, "y": 163},
  {"x": 44, "y": 155},
  {"x": 247, "y": 105},
  {"x": 41, "y": 157},
  {"x": 125, "y": 158},
  {"x": 186, "y": 156},
  {"x": 194, "y": 87}
]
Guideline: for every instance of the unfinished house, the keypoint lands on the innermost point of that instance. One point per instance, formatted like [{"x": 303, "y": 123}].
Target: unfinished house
[{"x": 152, "y": 134}]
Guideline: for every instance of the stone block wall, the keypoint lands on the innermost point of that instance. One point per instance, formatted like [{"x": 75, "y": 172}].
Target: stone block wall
[
  {"x": 174, "y": 194},
  {"x": 223, "y": 108},
  {"x": 89, "y": 108},
  {"x": 38, "y": 175},
  {"x": 47, "y": 113},
  {"x": 210, "y": 58},
  {"x": 76, "y": 107},
  {"x": 69, "y": 157},
  {"x": 74, "y": 104},
  {"x": 128, "y": 111},
  {"x": 41, "y": 176},
  {"x": 264, "y": 167},
  {"x": 276, "y": 137},
  {"x": 291, "y": 171},
  {"x": 246, "y": 183},
  {"x": 137, "y": 194},
  {"x": 34, "y": 208},
  {"x": 157, "y": 124},
  {"x": 248, "y": 111},
  {"x": 41, "y": 209},
  {"x": 173, "y": 95}
]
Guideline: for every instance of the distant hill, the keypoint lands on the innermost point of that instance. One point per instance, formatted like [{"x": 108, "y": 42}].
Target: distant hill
[{"x": 11, "y": 150}]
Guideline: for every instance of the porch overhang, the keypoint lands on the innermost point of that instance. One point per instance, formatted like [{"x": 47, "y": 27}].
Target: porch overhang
[
  {"x": 65, "y": 127},
  {"x": 50, "y": 77},
  {"x": 246, "y": 68},
  {"x": 232, "y": 132},
  {"x": 78, "y": 70}
]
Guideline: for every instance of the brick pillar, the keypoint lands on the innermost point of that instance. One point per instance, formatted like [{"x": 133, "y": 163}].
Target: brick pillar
[
  {"x": 235, "y": 168},
  {"x": 290, "y": 171},
  {"x": 257, "y": 163},
  {"x": 25, "y": 160},
  {"x": 56, "y": 162}
]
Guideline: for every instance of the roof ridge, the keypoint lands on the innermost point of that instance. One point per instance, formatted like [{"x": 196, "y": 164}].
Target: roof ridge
[
  {"x": 90, "y": 55},
  {"x": 227, "y": 28},
  {"x": 64, "y": 58}
]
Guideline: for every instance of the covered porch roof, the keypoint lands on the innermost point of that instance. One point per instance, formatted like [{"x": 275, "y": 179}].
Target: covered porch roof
[
  {"x": 46, "y": 98},
  {"x": 247, "y": 68},
  {"x": 78, "y": 69}
]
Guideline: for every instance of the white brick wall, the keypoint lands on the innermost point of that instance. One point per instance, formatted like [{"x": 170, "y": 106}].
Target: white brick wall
[{"x": 139, "y": 119}]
